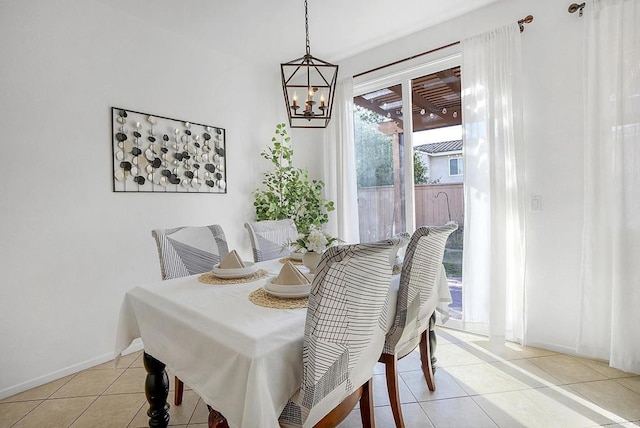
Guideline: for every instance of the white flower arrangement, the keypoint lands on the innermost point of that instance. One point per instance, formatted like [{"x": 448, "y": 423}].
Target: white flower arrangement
[{"x": 316, "y": 241}]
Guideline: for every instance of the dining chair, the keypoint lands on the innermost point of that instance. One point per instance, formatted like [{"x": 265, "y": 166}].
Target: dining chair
[
  {"x": 343, "y": 336},
  {"x": 185, "y": 251},
  {"x": 417, "y": 300},
  {"x": 268, "y": 237},
  {"x": 397, "y": 255}
]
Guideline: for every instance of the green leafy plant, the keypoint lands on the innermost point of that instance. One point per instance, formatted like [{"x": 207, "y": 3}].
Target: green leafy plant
[{"x": 288, "y": 192}]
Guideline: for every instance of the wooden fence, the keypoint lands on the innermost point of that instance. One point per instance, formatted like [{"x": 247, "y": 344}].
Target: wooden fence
[
  {"x": 435, "y": 204},
  {"x": 439, "y": 203}
]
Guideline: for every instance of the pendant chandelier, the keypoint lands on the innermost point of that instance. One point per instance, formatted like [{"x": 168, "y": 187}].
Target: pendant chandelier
[{"x": 309, "y": 85}]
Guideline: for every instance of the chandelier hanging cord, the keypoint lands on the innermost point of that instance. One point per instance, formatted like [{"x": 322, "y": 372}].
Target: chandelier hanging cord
[{"x": 306, "y": 27}]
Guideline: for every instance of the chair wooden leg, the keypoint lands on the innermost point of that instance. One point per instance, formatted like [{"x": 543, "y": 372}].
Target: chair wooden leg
[
  {"x": 366, "y": 405},
  {"x": 391, "y": 372},
  {"x": 216, "y": 420},
  {"x": 342, "y": 410},
  {"x": 425, "y": 357},
  {"x": 177, "y": 394}
]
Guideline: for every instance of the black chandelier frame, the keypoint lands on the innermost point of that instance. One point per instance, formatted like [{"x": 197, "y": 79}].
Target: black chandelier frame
[{"x": 311, "y": 76}]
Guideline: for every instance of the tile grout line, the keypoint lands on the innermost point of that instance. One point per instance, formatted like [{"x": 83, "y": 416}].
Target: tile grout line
[
  {"x": 194, "y": 410},
  {"x": 43, "y": 400},
  {"x": 99, "y": 395},
  {"x": 26, "y": 414},
  {"x": 136, "y": 414},
  {"x": 82, "y": 413},
  {"x": 484, "y": 411}
]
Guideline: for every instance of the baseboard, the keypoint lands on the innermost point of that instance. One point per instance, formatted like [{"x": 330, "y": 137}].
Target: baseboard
[
  {"x": 554, "y": 347},
  {"x": 136, "y": 345},
  {"x": 469, "y": 327},
  {"x": 476, "y": 328}
]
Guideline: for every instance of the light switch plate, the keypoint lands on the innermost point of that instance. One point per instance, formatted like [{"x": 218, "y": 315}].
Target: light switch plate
[{"x": 535, "y": 203}]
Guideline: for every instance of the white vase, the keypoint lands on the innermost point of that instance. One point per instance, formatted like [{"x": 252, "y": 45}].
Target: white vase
[{"x": 310, "y": 260}]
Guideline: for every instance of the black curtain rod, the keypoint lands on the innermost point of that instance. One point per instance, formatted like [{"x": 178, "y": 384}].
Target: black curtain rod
[{"x": 527, "y": 20}]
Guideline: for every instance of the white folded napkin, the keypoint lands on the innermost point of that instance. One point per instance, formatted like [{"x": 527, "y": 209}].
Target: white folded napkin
[
  {"x": 232, "y": 261},
  {"x": 290, "y": 275}
]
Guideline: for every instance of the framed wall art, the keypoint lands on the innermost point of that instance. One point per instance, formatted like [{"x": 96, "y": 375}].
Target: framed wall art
[{"x": 157, "y": 154}]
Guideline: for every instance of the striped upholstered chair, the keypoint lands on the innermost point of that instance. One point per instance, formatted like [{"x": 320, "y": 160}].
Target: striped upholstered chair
[
  {"x": 185, "y": 251},
  {"x": 398, "y": 254},
  {"x": 343, "y": 337},
  {"x": 268, "y": 237},
  {"x": 417, "y": 300},
  {"x": 189, "y": 250}
]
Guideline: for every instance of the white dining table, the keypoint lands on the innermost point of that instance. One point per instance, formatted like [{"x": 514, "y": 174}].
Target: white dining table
[{"x": 242, "y": 359}]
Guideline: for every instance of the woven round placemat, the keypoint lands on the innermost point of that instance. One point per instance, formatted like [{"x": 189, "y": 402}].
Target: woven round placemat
[
  {"x": 210, "y": 278},
  {"x": 289, "y": 259},
  {"x": 261, "y": 298}
]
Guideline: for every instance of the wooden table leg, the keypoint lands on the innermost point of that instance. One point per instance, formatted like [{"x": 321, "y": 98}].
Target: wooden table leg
[
  {"x": 433, "y": 341},
  {"x": 156, "y": 389}
]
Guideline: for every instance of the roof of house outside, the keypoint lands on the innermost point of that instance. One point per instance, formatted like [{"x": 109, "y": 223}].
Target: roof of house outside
[{"x": 441, "y": 147}]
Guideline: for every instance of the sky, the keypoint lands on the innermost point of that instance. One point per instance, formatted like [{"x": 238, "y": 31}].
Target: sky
[{"x": 449, "y": 133}]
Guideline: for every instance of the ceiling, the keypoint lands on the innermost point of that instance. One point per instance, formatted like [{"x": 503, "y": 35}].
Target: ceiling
[{"x": 274, "y": 30}]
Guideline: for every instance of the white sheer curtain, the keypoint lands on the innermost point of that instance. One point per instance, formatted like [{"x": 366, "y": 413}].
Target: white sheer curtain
[
  {"x": 610, "y": 285},
  {"x": 339, "y": 166},
  {"x": 494, "y": 241}
]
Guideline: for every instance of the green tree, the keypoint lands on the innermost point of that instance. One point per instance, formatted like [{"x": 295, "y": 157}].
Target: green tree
[
  {"x": 288, "y": 192},
  {"x": 373, "y": 150},
  {"x": 374, "y": 153},
  {"x": 420, "y": 170}
]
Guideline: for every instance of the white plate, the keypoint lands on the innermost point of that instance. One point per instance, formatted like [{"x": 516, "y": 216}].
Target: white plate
[
  {"x": 286, "y": 295},
  {"x": 249, "y": 269},
  {"x": 288, "y": 289}
]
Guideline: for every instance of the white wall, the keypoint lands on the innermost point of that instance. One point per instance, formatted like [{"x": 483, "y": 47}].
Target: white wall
[
  {"x": 440, "y": 170},
  {"x": 70, "y": 247},
  {"x": 552, "y": 63}
]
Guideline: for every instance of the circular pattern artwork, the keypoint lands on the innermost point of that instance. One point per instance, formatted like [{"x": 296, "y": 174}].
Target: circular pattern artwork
[{"x": 158, "y": 154}]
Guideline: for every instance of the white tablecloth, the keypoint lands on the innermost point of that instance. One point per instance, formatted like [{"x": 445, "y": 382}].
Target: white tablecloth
[{"x": 242, "y": 359}]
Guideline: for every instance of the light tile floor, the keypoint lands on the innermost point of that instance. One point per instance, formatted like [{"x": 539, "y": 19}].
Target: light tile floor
[{"x": 476, "y": 386}]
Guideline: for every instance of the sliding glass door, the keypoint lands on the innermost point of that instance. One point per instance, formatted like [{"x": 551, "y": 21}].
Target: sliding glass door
[{"x": 408, "y": 147}]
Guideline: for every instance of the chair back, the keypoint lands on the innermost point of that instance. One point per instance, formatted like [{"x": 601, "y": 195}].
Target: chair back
[
  {"x": 416, "y": 297},
  {"x": 189, "y": 250},
  {"x": 344, "y": 329},
  {"x": 268, "y": 237},
  {"x": 399, "y": 251}
]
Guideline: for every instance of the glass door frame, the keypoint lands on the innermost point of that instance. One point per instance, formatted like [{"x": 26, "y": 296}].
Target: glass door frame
[{"x": 403, "y": 76}]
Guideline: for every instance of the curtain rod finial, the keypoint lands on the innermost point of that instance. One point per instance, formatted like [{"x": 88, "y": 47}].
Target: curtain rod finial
[
  {"x": 526, "y": 20},
  {"x": 574, "y": 7}
]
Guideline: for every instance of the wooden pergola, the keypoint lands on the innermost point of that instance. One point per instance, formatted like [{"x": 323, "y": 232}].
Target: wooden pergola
[{"x": 436, "y": 101}]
